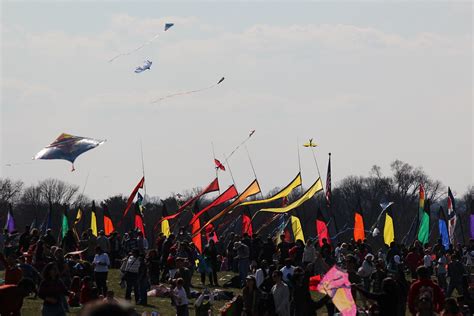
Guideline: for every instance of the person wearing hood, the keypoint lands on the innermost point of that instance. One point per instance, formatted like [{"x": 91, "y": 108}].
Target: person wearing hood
[{"x": 366, "y": 270}]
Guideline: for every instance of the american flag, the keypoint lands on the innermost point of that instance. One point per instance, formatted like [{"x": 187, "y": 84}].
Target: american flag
[
  {"x": 452, "y": 218},
  {"x": 328, "y": 184}
]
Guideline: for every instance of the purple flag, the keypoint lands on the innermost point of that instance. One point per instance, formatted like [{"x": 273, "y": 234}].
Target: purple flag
[{"x": 10, "y": 224}]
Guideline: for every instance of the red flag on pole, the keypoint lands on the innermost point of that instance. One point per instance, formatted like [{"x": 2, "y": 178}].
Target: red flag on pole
[{"x": 132, "y": 196}]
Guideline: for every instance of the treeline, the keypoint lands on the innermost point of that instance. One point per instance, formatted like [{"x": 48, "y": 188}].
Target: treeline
[{"x": 30, "y": 206}]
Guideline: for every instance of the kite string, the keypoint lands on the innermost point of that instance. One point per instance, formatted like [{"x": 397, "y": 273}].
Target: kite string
[
  {"x": 182, "y": 93},
  {"x": 138, "y": 48}
]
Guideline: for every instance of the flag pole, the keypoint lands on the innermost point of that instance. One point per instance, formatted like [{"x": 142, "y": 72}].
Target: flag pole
[
  {"x": 230, "y": 171},
  {"x": 253, "y": 169},
  {"x": 143, "y": 171}
]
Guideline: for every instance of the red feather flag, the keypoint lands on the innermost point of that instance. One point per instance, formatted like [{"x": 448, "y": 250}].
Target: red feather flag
[
  {"x": 359, "y": 232},
  {"x": 219, "y": 165},
  {"x": 139, "y": 220},
  {"x": 132, "y": 196},
  {"x": 212, "y": 187},
  {"x": 247, "y": 222},
  {"x": 322, "y": 228},
  {"x": 108, "y": 224},
  {"x": 227, "y": 195},
  {"x": 197, "y": 240}
]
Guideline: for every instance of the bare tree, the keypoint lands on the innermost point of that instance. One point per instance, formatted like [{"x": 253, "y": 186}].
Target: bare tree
[
  {"x": 10, "y": 190},
  {"x": 57, "y": 192}
]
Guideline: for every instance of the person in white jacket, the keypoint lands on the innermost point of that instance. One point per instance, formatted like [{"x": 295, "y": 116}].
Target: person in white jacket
[
  {"x": 281, "y": 295},
  {"x": 309, "y": 253}
]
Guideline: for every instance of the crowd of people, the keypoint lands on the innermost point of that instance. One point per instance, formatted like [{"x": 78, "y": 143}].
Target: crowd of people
[{"x": 273, "y": 273}]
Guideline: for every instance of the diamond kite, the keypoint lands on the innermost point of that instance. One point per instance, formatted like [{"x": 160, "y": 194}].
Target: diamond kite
[{"x": 68, "y": 147}]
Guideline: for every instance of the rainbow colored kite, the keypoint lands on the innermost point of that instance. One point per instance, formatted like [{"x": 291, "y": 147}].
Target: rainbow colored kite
[
  {"x": 335, "y": 283},
  {"x": 68, "y": 147}
]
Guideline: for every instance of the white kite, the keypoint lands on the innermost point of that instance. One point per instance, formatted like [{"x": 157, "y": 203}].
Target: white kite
[{"x": 146, "y": 66}]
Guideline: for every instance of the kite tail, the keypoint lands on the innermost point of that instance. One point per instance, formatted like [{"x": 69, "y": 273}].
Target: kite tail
[{"x": 183, "y": 93}]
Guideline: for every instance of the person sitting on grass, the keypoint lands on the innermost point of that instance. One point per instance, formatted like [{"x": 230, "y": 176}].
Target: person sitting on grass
[{"x": 11, "y": 296}]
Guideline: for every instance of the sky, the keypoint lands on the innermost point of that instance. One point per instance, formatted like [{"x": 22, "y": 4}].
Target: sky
[{"x": 370, "y": 82}]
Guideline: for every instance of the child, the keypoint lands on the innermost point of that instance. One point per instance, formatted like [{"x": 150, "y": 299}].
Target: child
[
  {"x": 88, "y": 292},
  {"x": 74, "y": 292},
  {"x": 180, "y": 298},
  {"x": 110, "y": 298}
]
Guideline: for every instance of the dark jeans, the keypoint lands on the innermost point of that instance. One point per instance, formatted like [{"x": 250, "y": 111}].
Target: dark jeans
[
  {"x": 53, "y": 310},
  {"x": 131, "y": 280},
  {"x": 244, "y": 267},
  {"x": 143, "y": 286},
  {"x": 101, "y": 282},
  {"x": 182, "y": 310},
  {"x": 442, "y": 281}
]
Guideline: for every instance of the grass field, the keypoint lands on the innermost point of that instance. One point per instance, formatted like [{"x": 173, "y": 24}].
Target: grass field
[{"x": 32, "y": 306}]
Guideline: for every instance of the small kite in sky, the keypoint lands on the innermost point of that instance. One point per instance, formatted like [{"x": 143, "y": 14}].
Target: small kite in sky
[
  {"x": 146, "y": 66},
  {"x": 68, "y": 147},
  {"x": 219, "y": 165},
  {"x": 251, "y": 133},
  {"x": 310, "y": 144},
  {"x": 167, "y": 27},
  {"x": 187, "y": 92}
]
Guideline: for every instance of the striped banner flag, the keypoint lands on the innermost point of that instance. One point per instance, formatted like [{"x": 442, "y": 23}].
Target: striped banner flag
[{"x": 451, "y": 216}]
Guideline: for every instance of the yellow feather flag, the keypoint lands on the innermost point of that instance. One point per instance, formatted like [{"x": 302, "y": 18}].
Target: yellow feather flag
[
  {"x": 78, "y": 216},
  {"x": 165, "y": 228},
  {"x": 388, "y": 231},
  {"x": 296, "y": 182},
  {"x": 297, "y": 229},
  {"x": 315, "y": 188},
  {"x": 93, "y": 220}
]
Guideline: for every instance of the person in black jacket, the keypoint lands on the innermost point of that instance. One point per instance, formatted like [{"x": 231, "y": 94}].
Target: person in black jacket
[{"x": 387, "y": 300}]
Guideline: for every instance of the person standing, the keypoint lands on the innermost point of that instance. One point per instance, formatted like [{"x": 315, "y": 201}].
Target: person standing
[
  {"x": 211, "y": 253},
  {"x": 53, "y": 292},
  {"x": 251, "y": 297},
  {"x": 281, "y": 295},
  {"x": 441, "y": 270},
  {"x": 242, "y": 257},
  {"x": 456, "y": 272},
  {"x": 130, "y": 268},
  {"x": 103, "y": 242},
  {"x": 180, "y": 298},
  {"x": 424, "y": 294},
  {"x": 101, "y": 268}
]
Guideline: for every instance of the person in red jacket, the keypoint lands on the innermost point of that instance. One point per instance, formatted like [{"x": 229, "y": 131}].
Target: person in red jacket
[
  {"x": 88, "y": 293},
  {"x": 413, "y": 260},
  {"x": 11, "y": 296},
  {"x": 425, "y": 295}
]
